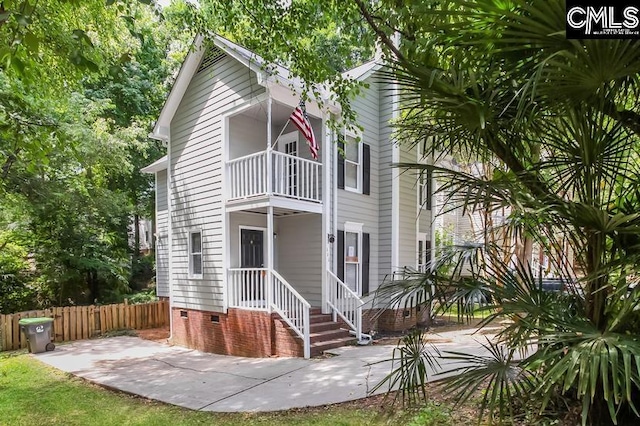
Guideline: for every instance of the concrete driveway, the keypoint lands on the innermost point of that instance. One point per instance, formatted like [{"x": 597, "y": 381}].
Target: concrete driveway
[{"x": 208, "y": 382}]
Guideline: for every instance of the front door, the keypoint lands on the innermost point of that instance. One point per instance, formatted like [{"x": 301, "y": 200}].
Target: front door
[
  {"x": 288, "y": 144},
  {"x": 251, "y": 257},
  {"x": 251, "y": 248}
]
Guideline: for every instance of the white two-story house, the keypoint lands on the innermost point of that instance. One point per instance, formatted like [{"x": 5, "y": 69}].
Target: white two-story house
[{"x": 261, "y": 249}]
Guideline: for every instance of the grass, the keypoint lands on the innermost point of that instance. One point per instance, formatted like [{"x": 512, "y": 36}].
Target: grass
[{"x": 33, "y": 393}]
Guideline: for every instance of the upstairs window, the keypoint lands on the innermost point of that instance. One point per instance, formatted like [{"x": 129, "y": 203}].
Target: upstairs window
[
  {"x": 424, "y": 190},
  {"x": 195, "y": 254},
  {"x": 352, "y": 164}
]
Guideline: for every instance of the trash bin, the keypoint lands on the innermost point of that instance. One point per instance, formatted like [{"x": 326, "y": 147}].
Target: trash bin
[{"x": 37, "y": 331}]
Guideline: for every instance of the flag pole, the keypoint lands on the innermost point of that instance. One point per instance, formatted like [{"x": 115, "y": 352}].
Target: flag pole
[{"x": 281, "y": 132}]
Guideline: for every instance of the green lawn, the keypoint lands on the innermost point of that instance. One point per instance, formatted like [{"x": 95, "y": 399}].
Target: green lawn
[{"x": 32, "y": 393}]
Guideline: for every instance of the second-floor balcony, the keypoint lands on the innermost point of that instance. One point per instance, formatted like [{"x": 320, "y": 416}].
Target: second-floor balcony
[{"x": 274, "y": 173}]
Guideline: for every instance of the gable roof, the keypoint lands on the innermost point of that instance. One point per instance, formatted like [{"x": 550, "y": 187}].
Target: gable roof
[
  {"x": 363, "y": 71},
  {"x": 269, "y": 74}
]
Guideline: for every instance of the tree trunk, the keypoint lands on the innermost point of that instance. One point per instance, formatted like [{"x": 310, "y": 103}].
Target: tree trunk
[
  {"x": 136, "y": 237},
  {"x": 94, "y": 288},
  {"x": 596, "y": 293}
]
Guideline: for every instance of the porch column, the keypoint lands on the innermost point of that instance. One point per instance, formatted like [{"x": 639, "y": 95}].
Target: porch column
[
  {"x": 269, "y": 257},
  {"x": 327, "y": 203},
  {"x": 269, "y": 170}
]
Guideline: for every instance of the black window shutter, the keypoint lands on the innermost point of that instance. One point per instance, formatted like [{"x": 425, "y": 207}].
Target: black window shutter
[
  {"x": 427, "y": 254},
  {"x": 340, "y": 163},
  {"x": 340, "y": 261},
  {"x": 365, "y": 263},
  {"x": 366, "y": 169},
  {"x": 429, "y": 190}
]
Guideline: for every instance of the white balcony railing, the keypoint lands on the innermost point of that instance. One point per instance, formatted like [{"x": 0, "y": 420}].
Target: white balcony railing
[
  {"x": 255, "y": 288},
  {"x": 274, "y": 173},
  {"x": 345, "y": 303}
]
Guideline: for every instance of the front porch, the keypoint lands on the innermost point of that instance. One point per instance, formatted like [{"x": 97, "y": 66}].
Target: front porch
[
  {"x": 277, "y": 266},
  {"x": 268, "y": 161}
]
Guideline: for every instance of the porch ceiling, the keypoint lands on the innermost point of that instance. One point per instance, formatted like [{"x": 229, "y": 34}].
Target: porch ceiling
[
  {"x": 277, "y": 212},
  {"x": 280, "y": 113}
]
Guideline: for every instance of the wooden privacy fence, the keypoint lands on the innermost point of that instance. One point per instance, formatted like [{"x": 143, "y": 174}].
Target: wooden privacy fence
[{"x": 83, "y": 322}]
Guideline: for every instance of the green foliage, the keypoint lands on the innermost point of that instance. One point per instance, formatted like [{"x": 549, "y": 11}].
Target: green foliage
[
  {"x": 410, "y": 366},
  {"x": 74, "y": 119},
  {"x": 498, "y": 82},
  {"x": 433, "y": 414},
  {"x": 144, "y": 296}
]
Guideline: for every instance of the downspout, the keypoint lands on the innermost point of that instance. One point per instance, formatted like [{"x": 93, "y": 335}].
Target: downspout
[{"x": 167, "y": 140}]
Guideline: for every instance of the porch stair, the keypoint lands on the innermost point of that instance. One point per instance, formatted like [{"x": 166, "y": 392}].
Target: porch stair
[{"x": 326, "y": 334}]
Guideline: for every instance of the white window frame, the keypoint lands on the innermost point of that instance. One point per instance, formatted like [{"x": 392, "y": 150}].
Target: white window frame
[
  {"x": 421, "y": 255},
  {"x": 354, "y": 228},
  {"x": 191, "y": 253},
  {"x": 423, "y": 185},
  {"x": 356, "y": 139}
]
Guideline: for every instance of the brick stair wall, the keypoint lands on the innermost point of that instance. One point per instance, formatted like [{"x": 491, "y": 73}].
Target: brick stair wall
[{"x": 325, "y": 335}]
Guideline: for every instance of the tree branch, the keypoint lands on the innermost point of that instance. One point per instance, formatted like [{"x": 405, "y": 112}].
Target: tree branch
[{"x": 381, "y": 34}]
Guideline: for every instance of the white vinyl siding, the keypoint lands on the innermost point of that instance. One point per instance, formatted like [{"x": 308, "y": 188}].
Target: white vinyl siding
[
  {"x": 162, "y": 236},
  {"x": 408, "y": 199},
  {"x": 299, "y": 247},
  {"x": 196, "y": 167},
  {"x": 357, "y": 207}
]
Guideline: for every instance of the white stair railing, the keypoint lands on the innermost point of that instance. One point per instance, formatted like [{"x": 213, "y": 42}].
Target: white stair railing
[
  {"x": 248, "y": 288},
  {"x": 293, "y": 309},
  {"x": 345, "y": 303}
]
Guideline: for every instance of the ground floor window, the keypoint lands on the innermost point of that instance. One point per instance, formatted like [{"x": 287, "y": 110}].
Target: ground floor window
[
  {"x": 424, "y": 253},
  {"x": 195, "y": 254}
]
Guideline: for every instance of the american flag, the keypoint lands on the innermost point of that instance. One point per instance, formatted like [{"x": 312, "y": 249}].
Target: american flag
[{"x": 301, "y": 120}]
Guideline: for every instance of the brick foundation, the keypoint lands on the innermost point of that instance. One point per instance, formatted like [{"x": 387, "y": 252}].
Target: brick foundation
[
  {"x": 259, "y": 334},
  {"x": 396, "y": 320},
  {"x": 238, "y": 332}
]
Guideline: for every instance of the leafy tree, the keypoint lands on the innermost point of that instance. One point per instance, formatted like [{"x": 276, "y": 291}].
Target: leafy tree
[{"x": 79, "y": 86}]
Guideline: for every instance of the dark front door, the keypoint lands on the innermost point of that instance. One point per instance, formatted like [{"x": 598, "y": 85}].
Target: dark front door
[{"x": 251, "y": 248}]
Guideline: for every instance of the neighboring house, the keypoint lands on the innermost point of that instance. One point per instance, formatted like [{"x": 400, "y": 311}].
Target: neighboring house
[
  {"x": 459, "y": 227},
  {"x": 255, "y": 240},
  {"x": 145, "y": 228}
]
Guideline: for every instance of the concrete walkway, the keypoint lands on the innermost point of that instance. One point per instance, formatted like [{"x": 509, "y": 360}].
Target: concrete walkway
[{"x": 208, "y": 382}]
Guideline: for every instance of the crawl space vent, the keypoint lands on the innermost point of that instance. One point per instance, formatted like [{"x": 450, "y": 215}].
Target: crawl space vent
[{"x": 212, "y": 57}]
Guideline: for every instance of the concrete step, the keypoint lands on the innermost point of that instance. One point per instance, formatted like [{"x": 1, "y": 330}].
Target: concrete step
[
  {"x": 319, "y": 347},
  {"x": 328, "y": 335}
]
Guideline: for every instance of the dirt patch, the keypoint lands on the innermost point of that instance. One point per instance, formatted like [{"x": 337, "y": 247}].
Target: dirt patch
[
  {"x": 391, "y": 406},
  {"x": 160, "y": 335}
]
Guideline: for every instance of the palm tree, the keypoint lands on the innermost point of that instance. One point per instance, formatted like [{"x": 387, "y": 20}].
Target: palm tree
[{"x": 498, "y": 80}]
